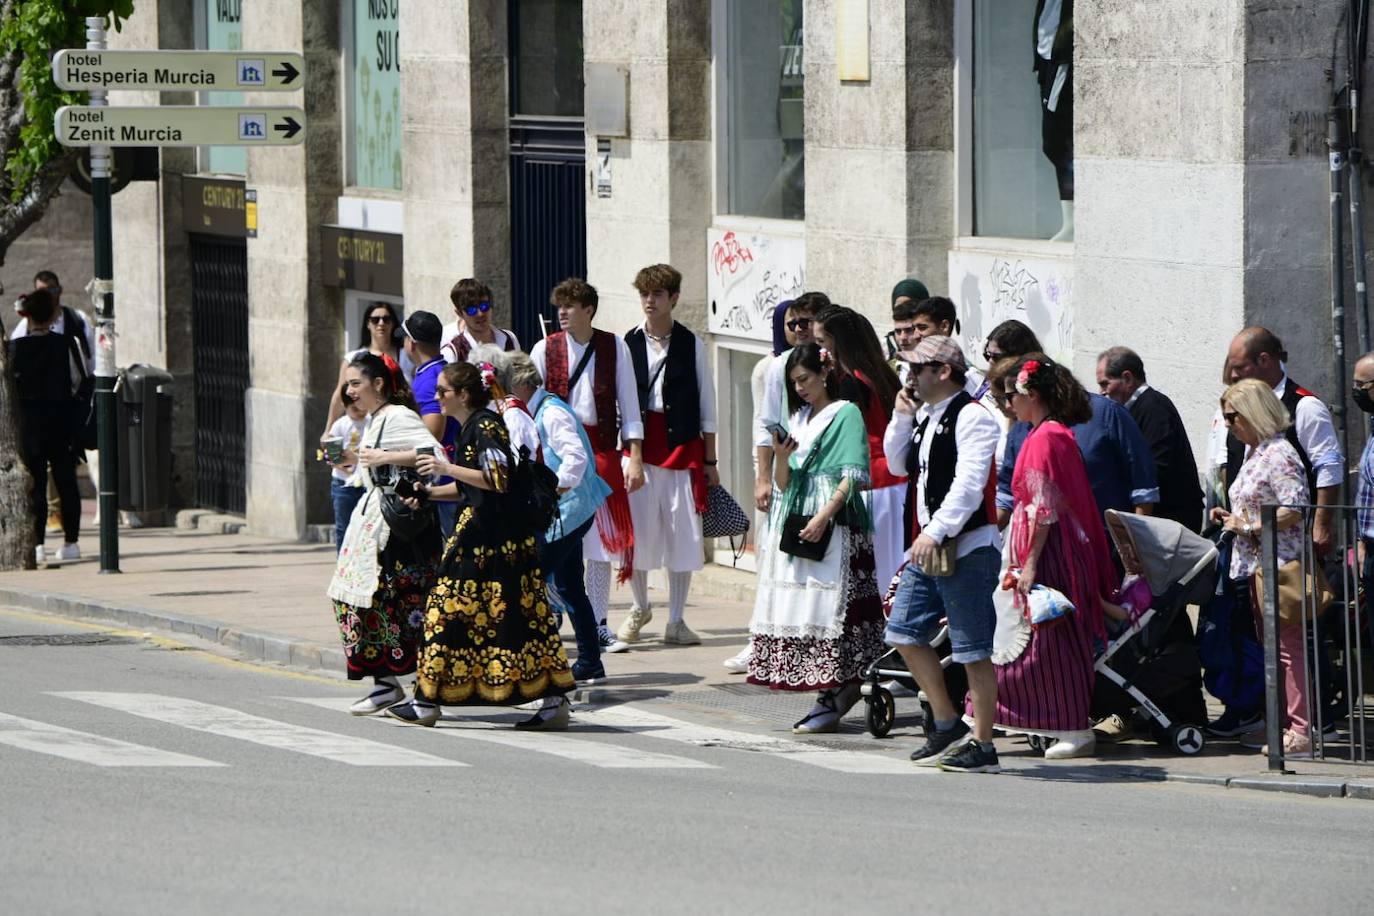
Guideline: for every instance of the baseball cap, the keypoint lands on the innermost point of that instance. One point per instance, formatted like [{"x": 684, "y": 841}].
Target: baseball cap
[
  {"x": 939, "y": 349},
  {"x": 423, "y": 327}
]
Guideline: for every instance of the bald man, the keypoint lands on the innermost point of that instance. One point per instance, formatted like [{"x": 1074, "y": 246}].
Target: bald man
[{"x": 1257, "y": 352}]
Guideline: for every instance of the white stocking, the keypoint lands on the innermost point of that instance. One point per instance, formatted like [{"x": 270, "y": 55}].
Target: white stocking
[
  {"x": 599, "y": 588},
  {"x": 678, "y": 584},
  {"x": 639, "y": 587}
]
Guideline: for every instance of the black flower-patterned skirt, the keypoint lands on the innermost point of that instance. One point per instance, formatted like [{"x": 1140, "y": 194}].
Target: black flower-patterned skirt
[
  {"x": 380, "y": 640},
  {"x": 489, "y": 636}
]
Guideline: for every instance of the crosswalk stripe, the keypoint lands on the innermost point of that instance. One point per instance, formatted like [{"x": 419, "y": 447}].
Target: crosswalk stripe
[
  {"x": 655, "y": 725},
  {"x": 85, "y": 747},
  {"x": 230, "y": 723},
  {"x": 582, "y": 750}
]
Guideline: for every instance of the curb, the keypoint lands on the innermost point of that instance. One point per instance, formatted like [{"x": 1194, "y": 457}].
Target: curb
[{"x": 270, "y": 647}]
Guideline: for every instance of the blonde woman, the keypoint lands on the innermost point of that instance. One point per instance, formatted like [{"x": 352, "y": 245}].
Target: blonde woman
[{"x": 1272, "y": 473}]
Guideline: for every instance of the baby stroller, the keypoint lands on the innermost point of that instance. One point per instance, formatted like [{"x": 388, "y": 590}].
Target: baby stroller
[
  {"x": 881, "y": 708},
  {"x": 1152, "y": 663}
]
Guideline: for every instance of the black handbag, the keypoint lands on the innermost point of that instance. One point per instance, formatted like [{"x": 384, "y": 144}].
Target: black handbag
[
  {"x": 790, "y": 540},
  {"x": 405, "y": 523}
]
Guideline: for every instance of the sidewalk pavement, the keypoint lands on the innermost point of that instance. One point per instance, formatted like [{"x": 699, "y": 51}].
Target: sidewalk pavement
[{"x": 265, "y": 599}]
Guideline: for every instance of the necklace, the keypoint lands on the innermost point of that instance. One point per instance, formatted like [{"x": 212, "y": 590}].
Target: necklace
[{"x": 656, "y": 338}]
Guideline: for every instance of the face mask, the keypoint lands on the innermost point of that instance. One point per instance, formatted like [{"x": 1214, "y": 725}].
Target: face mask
[{"x": 1362, "y": 400}]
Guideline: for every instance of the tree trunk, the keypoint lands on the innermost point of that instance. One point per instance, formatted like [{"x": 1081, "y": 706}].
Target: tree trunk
[{"x": 16, "y": 511}]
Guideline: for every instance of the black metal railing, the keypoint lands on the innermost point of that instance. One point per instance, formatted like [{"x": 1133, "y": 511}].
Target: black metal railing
[{"x": 219, "y": 334}]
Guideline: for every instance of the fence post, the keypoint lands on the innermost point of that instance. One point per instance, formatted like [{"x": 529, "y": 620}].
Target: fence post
[{"x": 1269, "y": 615}]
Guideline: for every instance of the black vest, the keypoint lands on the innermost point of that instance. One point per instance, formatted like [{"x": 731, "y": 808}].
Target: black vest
[
  {"x": 942, "y": 460},
  {"x": 681, "y": 388},
  {"x": 1235, "y": 449}
]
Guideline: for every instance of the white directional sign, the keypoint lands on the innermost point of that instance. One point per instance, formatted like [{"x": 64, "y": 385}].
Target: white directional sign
[
  {"x": 252, "y": 71},
  {"x": 178, "y": 125}
]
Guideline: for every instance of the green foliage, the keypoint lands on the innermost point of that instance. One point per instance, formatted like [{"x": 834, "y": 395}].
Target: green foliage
[{"x": 37, "y": 29}]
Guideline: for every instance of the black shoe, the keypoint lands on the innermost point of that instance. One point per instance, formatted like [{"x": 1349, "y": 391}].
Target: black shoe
[
  {"x": 586, "y": 673},
  {"x": 971, "y": 758},
  {"x": 1233, "y": 723},
  {"x": 940, "y": 743},
  {"x": 424, "y": 714}
]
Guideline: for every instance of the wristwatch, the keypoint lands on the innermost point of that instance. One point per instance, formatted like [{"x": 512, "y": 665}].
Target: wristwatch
[{"x": 1249, "y": 530}]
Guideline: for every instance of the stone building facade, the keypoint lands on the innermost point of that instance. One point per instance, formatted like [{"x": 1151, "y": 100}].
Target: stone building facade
[{"x": 762, "y": 148}]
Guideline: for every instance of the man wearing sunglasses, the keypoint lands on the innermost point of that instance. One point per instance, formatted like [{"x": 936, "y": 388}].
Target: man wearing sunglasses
[
  {"x": 472, "y": 303},
  {"x": 797, "y": 328}
]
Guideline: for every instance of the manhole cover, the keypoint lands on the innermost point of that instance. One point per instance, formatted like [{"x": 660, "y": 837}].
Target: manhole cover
[
  {"x": 68, "y": 639},
  {"x": 231, "y": 591}
]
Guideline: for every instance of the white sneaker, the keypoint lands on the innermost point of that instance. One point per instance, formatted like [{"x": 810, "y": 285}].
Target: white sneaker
[
  {"x": 629, "y": 630},
  {"x": 610, "y": 644},
  {"x": 69, "y": 552},
  {"x": 738, "y": 664},
  {"x": 677, "y": 633},
  {"x": 40, "y": 555},
  {"x": 381, "y": 697},
  {"x": 1072, "y": 744}
]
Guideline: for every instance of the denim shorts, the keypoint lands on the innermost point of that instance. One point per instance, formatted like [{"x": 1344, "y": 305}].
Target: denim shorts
[{"x": 965, "y": 598}]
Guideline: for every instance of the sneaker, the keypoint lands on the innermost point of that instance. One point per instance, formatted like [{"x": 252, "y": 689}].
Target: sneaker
[
  {"x": 55, "y": 522},
  {"x": 971, "y": 758},
  {"x": 415, "y": 714},
  {"x": 738, "y": 664},
  {"x": 69, "y": 552},
  {"x": 40, "y": 555},
  {"x": 1113, "y": 729},
  {"x": 587, "y": 673},
  {"x": 1233, "y": 724},
  {"x": 382, "y": 696},
  {"x": 629, "y": 630},
  {"x": 1295, "y": 746},
  {"x": 552, "y": 718},
  {"x": 1255, "y": 738},
  {"x": 939, "y": 743},
  {"x": 1072, "y": 744},
  {"x": 677, "y": 633},
  {"x": 606, "y": 637}
]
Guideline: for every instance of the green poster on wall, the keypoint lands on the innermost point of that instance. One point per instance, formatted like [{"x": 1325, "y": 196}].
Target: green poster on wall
[
  {"x": 224, "y": 32},
  {"x": 376, "y": 94}
]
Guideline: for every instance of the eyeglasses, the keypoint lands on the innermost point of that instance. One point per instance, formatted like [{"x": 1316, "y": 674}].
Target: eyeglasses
[
  {"x": 991, "y": 356},
  {"x": 482, "y": 307},
  {"x": 1230, "y": 418},
  {"x": 921, "y": 367},
  {"x": 379, "y": 319},
  {"x": 798, "y": 324},
  {"x": 1363, "y": 386},
  {"x": 442, "y": 391}
]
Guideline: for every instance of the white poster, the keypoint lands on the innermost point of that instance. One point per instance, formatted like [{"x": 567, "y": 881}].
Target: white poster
[
  {"x": 747, "y": 274},
  {"x": 991, "y": 287}
]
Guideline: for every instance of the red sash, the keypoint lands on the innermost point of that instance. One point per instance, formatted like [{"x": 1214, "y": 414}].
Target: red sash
[
  {"x": 613, "y": 521},
  {"x": 689, "y": 456}
]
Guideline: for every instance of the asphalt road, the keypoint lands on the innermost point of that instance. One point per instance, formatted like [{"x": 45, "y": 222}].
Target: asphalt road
[{"x": 235, "y": 788}]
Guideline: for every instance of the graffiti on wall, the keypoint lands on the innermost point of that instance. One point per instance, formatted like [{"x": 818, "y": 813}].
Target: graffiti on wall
[
  {"x": 990, "y": 288},
  {"x": 748, "y": 274}
]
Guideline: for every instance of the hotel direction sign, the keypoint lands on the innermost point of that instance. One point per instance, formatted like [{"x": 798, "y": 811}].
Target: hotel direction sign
[
  {"x": 178, "y": 125},
  {"x": 236, "y": 71}
]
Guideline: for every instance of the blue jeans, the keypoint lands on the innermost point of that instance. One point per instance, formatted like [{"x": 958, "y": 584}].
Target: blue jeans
[
  {"x": 448, "y": 514},
  {"x": 344, "y": 499},
  {"x": 562, "y": 562},
  {"x": 965, "y": 598}
]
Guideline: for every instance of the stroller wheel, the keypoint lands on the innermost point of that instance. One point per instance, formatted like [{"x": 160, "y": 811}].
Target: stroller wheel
[
  {"x": 882, "y": 710},
  {"x": 1186, "y": 739},
  {"x": 1038, "y": 743},
  {"x": 927, "y": 719}
]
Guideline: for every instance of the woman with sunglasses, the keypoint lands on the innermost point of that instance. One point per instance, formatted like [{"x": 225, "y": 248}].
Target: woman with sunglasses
[
  {"x": 1272, "y": 473},
  {"x": 472, "y": 301},
  {"x": 381, "y": 579},
  {"x": 380, "y": 329}
]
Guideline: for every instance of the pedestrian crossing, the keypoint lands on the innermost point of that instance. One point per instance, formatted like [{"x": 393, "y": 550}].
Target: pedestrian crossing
[{"x": 623, "y": 737}]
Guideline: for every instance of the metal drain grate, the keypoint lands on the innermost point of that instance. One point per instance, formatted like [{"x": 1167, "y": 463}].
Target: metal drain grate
[{"x": 68, "y": 639}]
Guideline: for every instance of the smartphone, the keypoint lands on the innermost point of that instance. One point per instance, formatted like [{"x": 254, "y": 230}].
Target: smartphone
[
  {"x": 424, "y": 450},
  {"x": 777, "y": 430},
  {"x": 405, "y": 487}
]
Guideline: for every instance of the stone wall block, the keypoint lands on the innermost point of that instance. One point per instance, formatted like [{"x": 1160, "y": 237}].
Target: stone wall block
[
  {"x": 1158, "y": 30},
  {"x": 929, "y": 182},
  {"x": 689, "y": 87},
  {"x": 1286, "y": 204},
  {"x": 1149, "y": 90},
  {"x": 929, "y": 32},
  {"x": 1285, "y": 109},
  {"x": 861, "y": 190},
  {"x": 929, "y": 108}
]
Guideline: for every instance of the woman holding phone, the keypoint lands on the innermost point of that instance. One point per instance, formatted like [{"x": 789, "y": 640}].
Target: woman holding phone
[
  {"x": 817, "y": 621},
  {"x": 489, "y": 636}
]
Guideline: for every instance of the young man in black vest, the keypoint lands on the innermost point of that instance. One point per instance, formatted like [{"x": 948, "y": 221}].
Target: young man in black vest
[
  {"x": 956, "y": 557},
  {"x": 678, "y": 402}
]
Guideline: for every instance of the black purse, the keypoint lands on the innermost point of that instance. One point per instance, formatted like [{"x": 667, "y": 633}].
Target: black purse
[
  {"x": 405, "y": 523},
  {"x": 790, "y": 540}
]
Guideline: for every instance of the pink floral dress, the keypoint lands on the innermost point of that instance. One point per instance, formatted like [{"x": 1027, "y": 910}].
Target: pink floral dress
[{"x": 1273, "y": 473}]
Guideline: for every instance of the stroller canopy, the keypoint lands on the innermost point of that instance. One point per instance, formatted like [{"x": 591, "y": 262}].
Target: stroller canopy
[{"x": 1163, "y": 552}]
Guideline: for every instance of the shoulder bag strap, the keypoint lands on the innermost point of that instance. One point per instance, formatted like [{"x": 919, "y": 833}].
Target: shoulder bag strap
[{"x": 581, "y": 364}]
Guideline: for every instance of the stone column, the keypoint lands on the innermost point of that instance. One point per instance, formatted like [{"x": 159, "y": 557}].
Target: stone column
[
  {"x": 660, "y": 204},
  {"x": 455, "y": 148},
  {"x": 295, "y": 320},
  {"x": 880, "y": 155}
]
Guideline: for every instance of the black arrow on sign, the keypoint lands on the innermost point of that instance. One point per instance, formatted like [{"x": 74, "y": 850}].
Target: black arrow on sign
[
  {"x": 286, "y": 72},
  {"x": 289, "y": 127}
]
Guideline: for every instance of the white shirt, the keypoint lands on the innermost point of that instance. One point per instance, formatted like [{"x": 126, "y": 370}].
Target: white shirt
[
  {"x": 1316, "y": 434},
  {"x": 351, "y": 432},
  {"x": 706, "y": 389},
  {"x": 562, "y": 441},
  {"x": 770, "y": 406},
  {"x": 582, "y": 400},
  {"x": 522, "y": 431},
  {"x": 450, "y": 353},
  {"x": 976, "y": 433}
]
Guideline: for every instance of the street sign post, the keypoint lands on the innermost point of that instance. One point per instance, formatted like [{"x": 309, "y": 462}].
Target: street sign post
[
  {"x": 236, "y": 71},
  {"x": 178, "y": 125}
]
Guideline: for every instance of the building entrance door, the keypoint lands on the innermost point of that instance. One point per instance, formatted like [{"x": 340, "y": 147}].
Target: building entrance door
[
  {"x": 547, "y": 157},
  {"x": 219, "y": 334}
]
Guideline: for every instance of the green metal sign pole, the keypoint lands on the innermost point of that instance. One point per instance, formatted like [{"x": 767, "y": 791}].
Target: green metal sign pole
[{"x": 103, "y": 295}]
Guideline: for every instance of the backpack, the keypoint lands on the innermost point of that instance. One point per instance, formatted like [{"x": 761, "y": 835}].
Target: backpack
[
  {"x": 83, "y": 427},
  {"x": 534, "y": 491}
]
